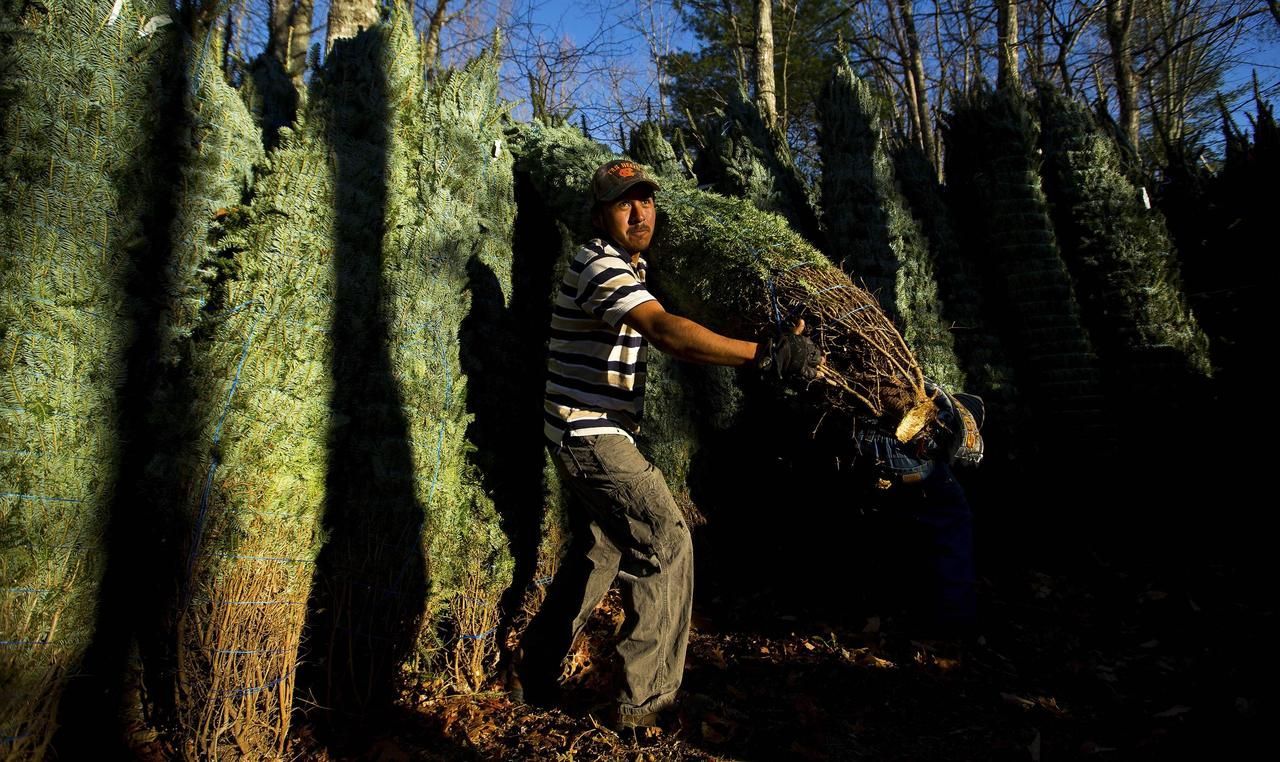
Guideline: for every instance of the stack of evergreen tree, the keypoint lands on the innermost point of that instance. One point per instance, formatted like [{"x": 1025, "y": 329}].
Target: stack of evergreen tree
[
  {"x": 994, "y": 186},
  {"x": 77, "y": 123},
  {"x": 871, "y": 231},
  {"x": 1122, "y": 263},
  {"x": 744, "y": 158},
  {"x": 330, "y": 442}
]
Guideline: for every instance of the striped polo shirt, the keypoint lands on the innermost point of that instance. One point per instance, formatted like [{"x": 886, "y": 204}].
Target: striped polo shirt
[{"x": 595, "y": 362}]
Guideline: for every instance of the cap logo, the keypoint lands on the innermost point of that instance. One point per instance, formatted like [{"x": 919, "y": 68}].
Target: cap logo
[{"x": 623, "y": 170}]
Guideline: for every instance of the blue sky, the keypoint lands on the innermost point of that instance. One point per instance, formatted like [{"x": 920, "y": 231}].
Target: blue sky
[{"x": 582, "y": 22}]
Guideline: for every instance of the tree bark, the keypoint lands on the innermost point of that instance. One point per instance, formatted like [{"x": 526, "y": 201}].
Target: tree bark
[
  {"x": 290, "y": 36},
  {"x": 766, "y": 96},
  {"x": 1119, "y": 27},
  {"x": 348, "y": 17},
  {"x": 435, "y": 22},
  {"x": 915, "y": 64},
  {"x": 1007, "y": 22}
]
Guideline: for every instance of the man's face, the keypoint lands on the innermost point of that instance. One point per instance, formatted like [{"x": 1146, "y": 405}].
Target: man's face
[{"x": 630, "y": 218}]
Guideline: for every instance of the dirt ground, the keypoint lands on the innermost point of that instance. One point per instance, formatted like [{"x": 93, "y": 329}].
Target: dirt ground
[{"x": 1101, "y": 663}]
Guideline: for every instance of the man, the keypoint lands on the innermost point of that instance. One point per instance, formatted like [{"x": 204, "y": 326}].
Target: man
[{"x": 626, "y": 524}]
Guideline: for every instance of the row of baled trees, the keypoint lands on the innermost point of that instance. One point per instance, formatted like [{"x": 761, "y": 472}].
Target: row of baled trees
[
  {"x": 294, "y": 392},
  {"x": 282, "y": 491},
  {"x": 1040, "y": 269}
]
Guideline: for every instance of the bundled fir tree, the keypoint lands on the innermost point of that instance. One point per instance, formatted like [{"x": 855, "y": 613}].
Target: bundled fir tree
[
  {"x": 743, "y": 272},
  {"x": 682, "y": 401},
  {"x": 1122, "y": 263},
  {"x": 1222, "y": 224},
  {"x": 982, "y": 356},
  {"x": 256, "y": 452},
  {"x": 76, "y": 116},
  {"x": 649, "y": 146},
  {"x": 746, "y": 159},
  {"x": 870, "y": 229},
  {"x": 448, "y": 274},
  {"x": 218, "y": 149},
  {"x": 994, "y": 184}
]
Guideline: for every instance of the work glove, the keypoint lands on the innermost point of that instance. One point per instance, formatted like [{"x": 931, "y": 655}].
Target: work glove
[{"x": 788, "y": 356}]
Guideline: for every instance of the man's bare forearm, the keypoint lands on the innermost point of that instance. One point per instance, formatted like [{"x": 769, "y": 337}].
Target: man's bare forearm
[{"x": 686, "y": 340}]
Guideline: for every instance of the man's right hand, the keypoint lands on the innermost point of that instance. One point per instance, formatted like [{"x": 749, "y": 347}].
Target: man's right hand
[{"x": 788, "y": 356}]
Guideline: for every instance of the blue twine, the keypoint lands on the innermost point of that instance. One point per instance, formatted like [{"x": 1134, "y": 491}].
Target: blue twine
[
  {"x": 448, "y": 396},
  {"x": 832, "y": 288},
  {"x": 28, "y": 642},
  {"x": 773, "y": 294},
  {"x": 208, "y": 35},
  {"x": 22, "y": 496},
  {"x": 52, "y": 303},
  {"x": 203, "y": 515},
  {"x": 66, "y": 232},
  {"x": 239, "y": 652},
  {"x": 38, "y": 453},
  {"x": 542, "y": 581},
  {"x": 855, "y": 309},
  {"x": 258, "y": 603},
  {"x": 199, "y": 532},
  {"x": 265, "y": 558},
  {"x": 30, "y": 590},
  {"x": 479, "y": 635},
  {"x": 244, "y": 354},
  {"x": 11, "y": 739},
  {"x": 257, "y": 689}
]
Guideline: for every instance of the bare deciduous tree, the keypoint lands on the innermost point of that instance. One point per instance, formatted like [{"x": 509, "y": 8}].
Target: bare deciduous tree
[
  {"x": 766, "y": 97},
  {"x": 347, "y": 17},
  {"x": 289, "y": 35}
]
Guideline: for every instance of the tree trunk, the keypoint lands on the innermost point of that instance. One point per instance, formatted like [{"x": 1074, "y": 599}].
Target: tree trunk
[
  {"x": 1119, "y": 26},
  {"x": 435, "y": 23},
  {"x": 347, "y": 17},
  {"x": 916, "y": 65},
  {"x": 765, "y": 92},
  {"x": 1007, "y": 22},
  {"x": 290, "y": 35}
]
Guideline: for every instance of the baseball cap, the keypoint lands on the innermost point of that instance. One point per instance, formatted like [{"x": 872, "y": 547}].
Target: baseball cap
[{"x": 613, "y": 178}]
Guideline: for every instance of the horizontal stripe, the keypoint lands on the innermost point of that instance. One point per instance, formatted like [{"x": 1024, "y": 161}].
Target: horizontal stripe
[
  {"x": 612, "y": 379},
  {"x": 602, "y": 391},
  {"x": 570, "y": 404},
  {"x": 617, "y": 296},
  {"x": 606, "y": 280},
  {"x": 598, "y": 363},
  {"x": 603, "y": 336}
]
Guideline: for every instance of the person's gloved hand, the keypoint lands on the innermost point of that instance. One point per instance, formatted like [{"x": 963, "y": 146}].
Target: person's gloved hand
[{"x": 787, "y": 356}]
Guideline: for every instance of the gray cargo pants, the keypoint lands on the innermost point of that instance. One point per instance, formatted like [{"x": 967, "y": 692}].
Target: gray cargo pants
[{"x": 627, "y": 526}]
